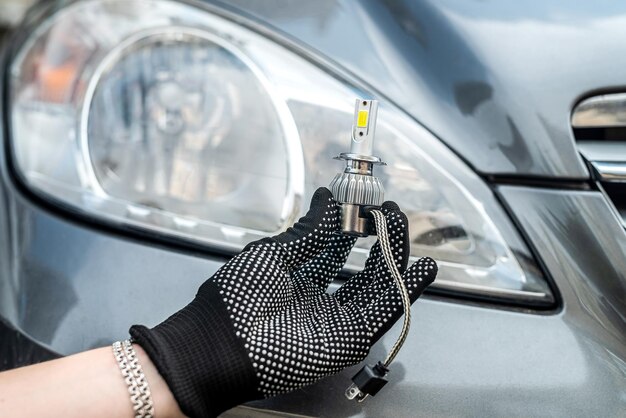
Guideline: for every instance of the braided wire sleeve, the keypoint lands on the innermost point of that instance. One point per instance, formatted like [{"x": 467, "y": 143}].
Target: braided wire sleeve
[{"x": 383, "y": 238}]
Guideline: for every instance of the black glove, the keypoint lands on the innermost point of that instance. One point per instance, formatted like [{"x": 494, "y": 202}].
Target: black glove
[{"x": 264, "y": 324}]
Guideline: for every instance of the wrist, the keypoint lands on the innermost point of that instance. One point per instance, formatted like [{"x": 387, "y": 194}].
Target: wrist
[
  {"x": 165, "y": 405},
  {"x": 200, "y": 357}
]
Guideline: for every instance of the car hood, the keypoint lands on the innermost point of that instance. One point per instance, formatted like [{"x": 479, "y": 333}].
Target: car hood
[{"x": 496, "y": 81}]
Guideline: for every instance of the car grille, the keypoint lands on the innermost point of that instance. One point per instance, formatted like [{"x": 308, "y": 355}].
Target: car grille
[{"x": 599, "y": 126}]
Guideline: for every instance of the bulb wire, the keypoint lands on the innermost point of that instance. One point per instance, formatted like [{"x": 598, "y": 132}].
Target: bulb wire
[{"x": 385, "y": 245}]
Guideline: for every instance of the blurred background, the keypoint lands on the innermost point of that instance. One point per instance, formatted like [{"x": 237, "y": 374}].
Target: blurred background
[{"x": 11, "y": 11}]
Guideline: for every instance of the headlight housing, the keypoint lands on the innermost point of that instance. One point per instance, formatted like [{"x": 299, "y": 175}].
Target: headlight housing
[{"x": 158, "y": 114}]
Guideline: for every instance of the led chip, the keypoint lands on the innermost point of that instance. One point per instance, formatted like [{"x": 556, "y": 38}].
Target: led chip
[
  {"x": 364, "y": 125},
  {"x": 362, "y": 119}
]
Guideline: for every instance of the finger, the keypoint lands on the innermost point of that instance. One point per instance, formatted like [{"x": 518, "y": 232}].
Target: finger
[
  {"x": 351, "y": 288},
  {"x": 376, "y": 276},
  {"x": 389, "y": 206},
  {"x": 386, "y": 309},
  {"x": 323, "y": 269},
  {"x": 310, "y": 235}
]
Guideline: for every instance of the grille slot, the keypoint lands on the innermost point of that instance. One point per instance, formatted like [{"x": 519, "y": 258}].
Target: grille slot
[{"x": 599, "y": 126}]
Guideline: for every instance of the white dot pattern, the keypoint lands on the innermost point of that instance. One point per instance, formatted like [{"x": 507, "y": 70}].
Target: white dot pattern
[{"x": 276, "y": 293}]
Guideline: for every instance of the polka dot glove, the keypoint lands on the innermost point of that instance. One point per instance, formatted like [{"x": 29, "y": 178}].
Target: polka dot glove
[{"x": 264, "y": 324}]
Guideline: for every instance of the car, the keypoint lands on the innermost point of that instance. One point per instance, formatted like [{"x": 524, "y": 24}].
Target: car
[{"x": 145, "y": 142}]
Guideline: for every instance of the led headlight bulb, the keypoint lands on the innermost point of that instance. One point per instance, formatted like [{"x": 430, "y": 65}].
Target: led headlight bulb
[{"x": 356, "y": 188}]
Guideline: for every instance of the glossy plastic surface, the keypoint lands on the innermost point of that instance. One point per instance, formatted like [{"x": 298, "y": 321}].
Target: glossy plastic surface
[{"x": 99, "y": 141}]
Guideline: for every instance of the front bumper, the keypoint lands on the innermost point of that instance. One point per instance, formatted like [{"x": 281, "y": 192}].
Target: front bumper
[{"x": 71, "y": 287}]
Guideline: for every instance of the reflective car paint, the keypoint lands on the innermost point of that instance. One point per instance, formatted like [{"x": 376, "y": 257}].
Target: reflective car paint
[
  {"x": 496, "y": 81},
  {"x": 74, "y": 287},
  {"x": 590, "y": 270}
]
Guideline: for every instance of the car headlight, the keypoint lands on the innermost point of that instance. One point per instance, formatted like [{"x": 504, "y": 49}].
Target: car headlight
[{"x": 161, "y": 115}]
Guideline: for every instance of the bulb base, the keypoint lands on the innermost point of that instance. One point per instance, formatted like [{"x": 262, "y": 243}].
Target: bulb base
[
  {"x": 353, "y": 221},
  {"x": 355, "y": 189}
]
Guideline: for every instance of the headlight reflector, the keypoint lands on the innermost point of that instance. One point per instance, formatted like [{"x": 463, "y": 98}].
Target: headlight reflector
[{"x": 173, "y": 117}]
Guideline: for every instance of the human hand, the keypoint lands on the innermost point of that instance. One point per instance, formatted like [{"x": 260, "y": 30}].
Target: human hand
[{"x": 264, "y": 324}]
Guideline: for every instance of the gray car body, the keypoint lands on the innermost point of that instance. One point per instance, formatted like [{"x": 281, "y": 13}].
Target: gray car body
[{"x": 69, "y": 285}]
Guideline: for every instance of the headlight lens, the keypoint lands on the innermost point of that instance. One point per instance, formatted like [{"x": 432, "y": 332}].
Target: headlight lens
[
  {"x": 158, "y": 114},
  {"x": 172, "y": 116}
]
